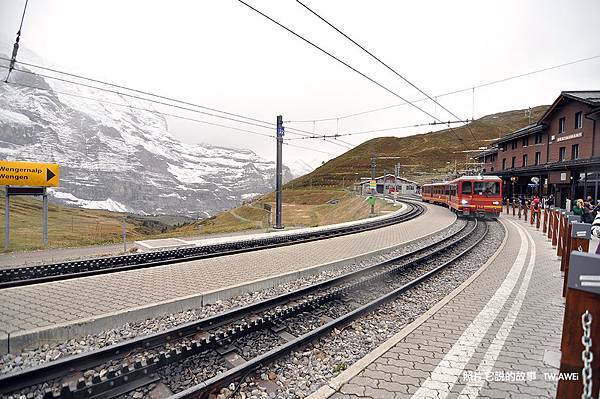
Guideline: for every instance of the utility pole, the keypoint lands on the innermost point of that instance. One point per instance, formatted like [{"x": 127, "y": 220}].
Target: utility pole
[
  {"x": 528, "y": 113},
  {"x": 279, "y": 173},
  {"x": 396, "y": 173},
  {"x": 373, "y": 165},
  {"x": 125, "y": 233}
]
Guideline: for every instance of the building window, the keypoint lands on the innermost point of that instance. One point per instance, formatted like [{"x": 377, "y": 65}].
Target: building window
[
  {"x": 575, "y": 151},
  {"x": 513, "y": 163},
  {"x": 525, "y": 141},
  {"x": 514, "y": 145},
  {"x": 538, "y": 158},
  {"x": 538, "y": 138},
  {"x": 491, "y": 169},
  {"x": 578, "y": 120},
  {"x": 503, "y": 146},
  {"x": 561, "y": 153},
  {"x": 561, "y": 125},
  {"x": 524, "y": 160},
  {"x": 503, "y": 163}
]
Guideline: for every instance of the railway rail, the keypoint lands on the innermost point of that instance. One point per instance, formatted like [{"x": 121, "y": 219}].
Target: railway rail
[
  {"x": 136, "y": 363},
  {"x": 28, "y": 275}
]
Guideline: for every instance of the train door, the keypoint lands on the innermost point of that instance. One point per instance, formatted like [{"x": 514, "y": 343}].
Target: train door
[{"x": 466, "y": 196}]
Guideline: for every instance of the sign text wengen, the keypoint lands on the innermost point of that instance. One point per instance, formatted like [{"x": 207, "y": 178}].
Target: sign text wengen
[{"x": 33, "y": 174}]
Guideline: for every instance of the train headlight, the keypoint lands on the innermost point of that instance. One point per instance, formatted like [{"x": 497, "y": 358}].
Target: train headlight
[
  {"x": 464, "y": 202},
  {"x": 496, "y": 203}
]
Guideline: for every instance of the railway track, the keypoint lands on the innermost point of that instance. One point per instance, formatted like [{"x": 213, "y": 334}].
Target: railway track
[
  {"x": 130, "y": 365},
  {"x": 21, "y": 276}
]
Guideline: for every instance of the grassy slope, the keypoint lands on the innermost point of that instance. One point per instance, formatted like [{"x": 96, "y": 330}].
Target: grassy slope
[
  {"x": 71, "y": 227},
  {"x": 430, "y": 151},
  {"x": 301, "y": 207}
]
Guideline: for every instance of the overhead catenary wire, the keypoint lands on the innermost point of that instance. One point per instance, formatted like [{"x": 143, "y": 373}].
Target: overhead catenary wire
[
  {"x": 449, "y": 93},
  {"x": 128, "y": 89},
  {"x": 160, "y": 113},
  {"x": 384, "y": 64},
  {"x": 342, "y": 62},
  {"x": 315, "y": 136},
  {"x": 291, "y": 130}
]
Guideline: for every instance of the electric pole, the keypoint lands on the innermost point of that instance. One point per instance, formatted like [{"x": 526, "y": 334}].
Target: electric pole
[
  {"x": 279, "y": 173},
  {"x": 373, "y": 165}
]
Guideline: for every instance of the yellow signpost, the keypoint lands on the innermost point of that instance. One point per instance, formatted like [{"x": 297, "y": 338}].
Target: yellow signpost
[
  {"x": 27, "y": 178},
  {"x": 31, "y": 174}
]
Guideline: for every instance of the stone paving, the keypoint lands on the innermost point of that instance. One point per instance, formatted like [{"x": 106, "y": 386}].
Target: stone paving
[
  {"x": 498, "y": 338},
  {"x": 42, "y": 306}
]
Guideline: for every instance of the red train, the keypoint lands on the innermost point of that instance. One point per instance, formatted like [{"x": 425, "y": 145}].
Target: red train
[{"x": 467, "y": 195}]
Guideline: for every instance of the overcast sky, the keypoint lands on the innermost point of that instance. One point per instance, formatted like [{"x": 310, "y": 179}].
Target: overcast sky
[{"x": 223, "y": 55}]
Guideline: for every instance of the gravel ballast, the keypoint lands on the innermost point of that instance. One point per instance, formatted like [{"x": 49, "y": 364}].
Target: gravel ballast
[{"x": 50, "y": 352}]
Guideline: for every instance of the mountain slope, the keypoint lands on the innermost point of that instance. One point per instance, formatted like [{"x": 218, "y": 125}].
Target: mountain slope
[
  {"x": 120, "y": 158},
  {"x": 429, "y": 155}
]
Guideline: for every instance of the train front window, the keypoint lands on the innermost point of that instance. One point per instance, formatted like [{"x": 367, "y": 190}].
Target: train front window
[
  {"x": 487, "y": 188},
  {"x": 467, "y": 187}
]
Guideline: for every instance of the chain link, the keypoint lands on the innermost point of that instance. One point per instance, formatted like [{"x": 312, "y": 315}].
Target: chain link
[{"x": 587, "y": 356}]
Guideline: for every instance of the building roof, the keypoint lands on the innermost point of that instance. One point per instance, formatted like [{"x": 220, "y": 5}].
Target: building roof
[
  {"x": 524, "y": 131},
  {"x": 487, "y": 151},
  {"x": 537, "y": 169},
  {"x": 591, "y": 97}
]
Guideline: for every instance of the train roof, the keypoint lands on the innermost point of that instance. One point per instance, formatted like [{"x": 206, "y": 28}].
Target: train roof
[
  {"x": 436, "y": 183},
  {"x": 465, "y": 178},
  {"x": 477, "y": 178}
]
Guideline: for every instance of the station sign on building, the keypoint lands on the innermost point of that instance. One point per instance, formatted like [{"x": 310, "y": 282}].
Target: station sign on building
[{"x": 561, "y": 151}]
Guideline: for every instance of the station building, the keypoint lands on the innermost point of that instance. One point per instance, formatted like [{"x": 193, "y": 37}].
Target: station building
[
  {"x": 559, "y": 154},
  {"x": 388, "y": 184}
]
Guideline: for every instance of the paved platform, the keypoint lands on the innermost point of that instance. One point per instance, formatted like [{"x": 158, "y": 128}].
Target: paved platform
[
  {"x": 495, "y": 336},
  {"x": 36, "y": 314}
]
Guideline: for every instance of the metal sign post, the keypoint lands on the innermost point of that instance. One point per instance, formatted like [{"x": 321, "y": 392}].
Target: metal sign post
[
  {"x": 45, "y": 217},
  {"x": 7, "y": 221},
  {"x": 279, "y": 173}
]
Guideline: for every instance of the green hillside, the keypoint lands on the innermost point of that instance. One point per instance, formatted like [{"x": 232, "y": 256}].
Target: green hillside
[{"x": 431, "y": 155}]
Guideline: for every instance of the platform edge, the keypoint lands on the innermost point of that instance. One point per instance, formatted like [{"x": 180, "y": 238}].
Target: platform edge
[
  {"x": 345, "y": 376},
  {"x": 22, "y": 340}
]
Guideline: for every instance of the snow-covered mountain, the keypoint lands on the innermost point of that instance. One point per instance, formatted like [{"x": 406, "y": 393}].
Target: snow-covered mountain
[{"x": 121, "y": 158}]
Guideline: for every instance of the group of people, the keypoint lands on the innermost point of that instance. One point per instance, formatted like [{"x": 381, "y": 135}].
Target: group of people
[
  {"x": 586, "y": 209},
  {"x": 590, "y": 213}
]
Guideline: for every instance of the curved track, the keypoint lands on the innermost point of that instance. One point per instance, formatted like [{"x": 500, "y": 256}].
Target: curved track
[
  {"x": 136, "y": 363},
  {"x": 28, "y": 275}
]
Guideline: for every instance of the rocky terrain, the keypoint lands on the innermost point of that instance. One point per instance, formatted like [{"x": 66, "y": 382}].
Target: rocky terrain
[{"x": 121, "y": 158}]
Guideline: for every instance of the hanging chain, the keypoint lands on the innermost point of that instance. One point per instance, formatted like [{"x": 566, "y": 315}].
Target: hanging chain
[{"x": 586, "y": 355}]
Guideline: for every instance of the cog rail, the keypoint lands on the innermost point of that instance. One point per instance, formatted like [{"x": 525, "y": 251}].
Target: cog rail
[{"x": 28, "y": 275}]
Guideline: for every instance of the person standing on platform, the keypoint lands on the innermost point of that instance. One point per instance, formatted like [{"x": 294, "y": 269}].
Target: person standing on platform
[
  {"x": 578, "y": 207},
  {"x": 596, "y": 230},
  {"x": 550, "y": 200},
  {"x": 536, "y": 208}
]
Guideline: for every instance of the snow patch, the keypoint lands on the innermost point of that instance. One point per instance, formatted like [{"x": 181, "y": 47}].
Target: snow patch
[
  {"x": 15, "y": 117},
  {"x": 107, "y": 204}
]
